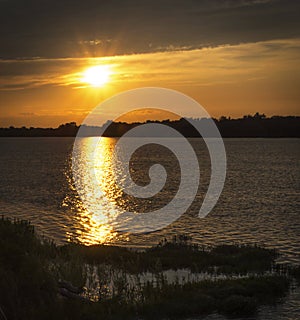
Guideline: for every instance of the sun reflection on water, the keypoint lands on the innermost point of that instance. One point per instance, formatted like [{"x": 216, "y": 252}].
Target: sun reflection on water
[
  {"x": 91, "y": 231},
  {"x": 91, "y": 225}
]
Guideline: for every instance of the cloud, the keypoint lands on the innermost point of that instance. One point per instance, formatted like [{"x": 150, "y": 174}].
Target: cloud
[
  {"x": 207, "y": 66},
  {"x": 227, "y": 79},
  {"x": 76, "y": 28},
  {"x": 27, "y": 114}
]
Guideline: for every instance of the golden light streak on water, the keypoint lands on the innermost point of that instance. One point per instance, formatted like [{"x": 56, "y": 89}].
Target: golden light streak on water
[{"x": 92, "y": 227}]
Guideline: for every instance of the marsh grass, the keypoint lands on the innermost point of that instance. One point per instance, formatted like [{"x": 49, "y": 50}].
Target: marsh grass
[
  {"x": 224, "y": 259},
  {"x": 295, "y": 272},
  {"x": 31, "y": 268}
]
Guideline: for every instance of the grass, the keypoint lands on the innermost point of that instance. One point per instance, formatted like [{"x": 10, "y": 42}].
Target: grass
[
  {"x": 295, "y": 272},
  {"x": 179, "y": 254},
  {"x": 31, "y": 268},
  {"x": 229, "y": 297},
  {"x": 27, "y": 287}
]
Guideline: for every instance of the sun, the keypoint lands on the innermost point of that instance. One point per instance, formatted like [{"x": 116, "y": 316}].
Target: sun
[{"x": 96, "y": 76}]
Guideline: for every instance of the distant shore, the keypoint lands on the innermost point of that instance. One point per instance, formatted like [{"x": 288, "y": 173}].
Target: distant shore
[{"x": 256, "y": 126}]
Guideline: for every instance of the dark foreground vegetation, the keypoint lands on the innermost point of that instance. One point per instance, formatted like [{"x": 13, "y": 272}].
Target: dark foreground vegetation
[
  {"x": 249, "y": 126},
  {"x": 39, "y": 280}
]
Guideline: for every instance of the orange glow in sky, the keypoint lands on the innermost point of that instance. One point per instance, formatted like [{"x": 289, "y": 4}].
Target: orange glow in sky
[{"x": 230, "y": 80}]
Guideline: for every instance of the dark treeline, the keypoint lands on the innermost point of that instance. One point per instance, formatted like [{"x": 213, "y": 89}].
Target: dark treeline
[
  {"x": 249, "y": 126},
  {"x": 64, "y": 130}
]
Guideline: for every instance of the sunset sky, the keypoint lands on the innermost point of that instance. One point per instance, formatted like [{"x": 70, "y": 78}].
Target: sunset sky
[{"x": 234, "y": 57}]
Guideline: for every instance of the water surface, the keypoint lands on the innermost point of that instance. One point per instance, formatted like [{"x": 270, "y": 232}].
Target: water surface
[{"x": 259, "y": 203}]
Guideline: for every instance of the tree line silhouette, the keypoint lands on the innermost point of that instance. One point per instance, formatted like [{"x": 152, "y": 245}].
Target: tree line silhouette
[{"x": 248, "y": 126}]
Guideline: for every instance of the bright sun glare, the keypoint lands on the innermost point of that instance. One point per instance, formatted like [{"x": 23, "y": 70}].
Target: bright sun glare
[{"x": 96, "y": 76}]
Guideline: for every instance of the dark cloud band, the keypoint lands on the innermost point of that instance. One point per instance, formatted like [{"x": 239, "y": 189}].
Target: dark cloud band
[{"x": 52, "y": 29}]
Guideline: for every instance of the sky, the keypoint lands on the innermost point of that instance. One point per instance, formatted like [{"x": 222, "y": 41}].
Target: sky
[{"x": 234, "y": 57}]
